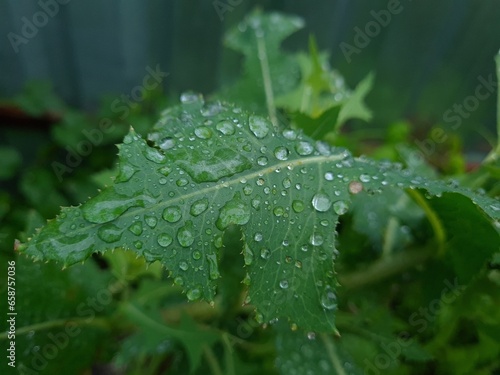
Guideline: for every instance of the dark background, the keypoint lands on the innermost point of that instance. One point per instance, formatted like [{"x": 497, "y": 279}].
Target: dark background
[{"x": 427, "y": 58}]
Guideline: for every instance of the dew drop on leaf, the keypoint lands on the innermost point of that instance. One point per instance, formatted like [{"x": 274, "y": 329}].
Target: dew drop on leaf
[
  {"x": 262, "y": 161},
  {"x": 203, "y": 132},
  {"x": 181, "y": 182},
  {"x": 265, "y": 253},
  {"x": 340, "y": 207},
  {"x": 283, "y": 284},
  {"x": 328, "y": 299},
  {"x": 179, "y": 281},
  {"x": 225, "y": 127},
  {"x": 198, "y": 207},
  {"x": 321, "y": 202},
  {"x": 185, "y": 234},
  {"x": 329, "y": 176},
  {"x": 258, "y": 237},
  {"x": 235, "y": 212},
  {"x": 316, "y": 239},
  {"x": 278, "y": 211},
  {"x": 193, "y": 294},
  {"x": 151, "y": 221},
  {"x": 364, "y": 178},
  {"x": 136, "y": 228},
  {"x": 259, "y": 126},
  {"x": 109, "y": 233},
  {"x": 213, "y": 269},
  {"x": 154, "y": 155},
  {"x": 281, "y": 153},
  {"x": 172, "y": 214},
  {"x": 183, "y": 266},
  {"x": 196, "y": 255},
  {"x": 247, "y": 255},
  {"x": 166, "y": 143},
  {"x": 298, "y": 206},
  {"x": 138, "y": 244},
  {"x": 164, "y": 239},
  {"x": 125, "y": 172},
  {"x": 190, "y": 97},
  {"x": 304, "y": 148}
]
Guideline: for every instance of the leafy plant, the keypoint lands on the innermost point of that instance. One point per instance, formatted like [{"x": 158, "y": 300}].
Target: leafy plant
[{"x": 248, "y": 207}]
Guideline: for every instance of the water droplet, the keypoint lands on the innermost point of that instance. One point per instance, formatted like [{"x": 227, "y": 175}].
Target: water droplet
[
  {"x": 287, "y": 183},
  {"x": 355, "y": 187},
  {"x": 154, "y": 155},
  {"x": 109, "y": 233},
  {"x": 260, "y": 181},
  {"x": 213, "y": 269},
  {"x": 258, "y": 237},
  {"x": 281, "y": 153},
  {"x": 225, "y": 127},
  {"x": 278, "y": 211},
  {"x": 196, "y": 255},
  {"x": 125, "y": 172},
  {"x": 311, "y": 335},
  {"x": 316, "y": 239},
  {"x": 179, "y": 281},
  {"x": 181, "y": 182},
  {"x": 109, "y": 205},
  {"x": 329, "y": 299},
  {"x": 185, "y": 234},
  {"x": 321, "y": 202},
  {"x": 304, "y": 148},
  {"x": 290, "y": 134},
  {"x": 298, "y": 206},
  {"x": 165, "y": 170},
  {"x": 151, "y": 221},
  {"x": 265, "y": 253},
  {"x": 203, "y": 132},
  {"x": 198, "y": 207},
  {"x": 136, "y": 228},
  {"x": 193, "y": 294},
  {"x": 164, "y": 240},
  {"x": 364, "y": 178},
  {"x": 283, "y": 284},
  {"x": 191, "y": 97},
  {"x": 172, "y": 214},
  {"x": 329, "y": 176},
  {"x": 138, "y": 244},
  {"x": 235, "y": 212},
  {"x": 162, "y": 181},
  {"x": 183, "y": 266},
  {"x": 340, "y": 207},
  {"x": 298, "y": 264},
  {"x": 256, "y": 203},
  {"x": 247, "y": 190},
  {"x": 166, "y": 143},
  {"x": 259, "y": 126},
  {"x": 247, "y": 255},
  {"x": 262, "y": 161},
  {"x": 288, "y": 259}
]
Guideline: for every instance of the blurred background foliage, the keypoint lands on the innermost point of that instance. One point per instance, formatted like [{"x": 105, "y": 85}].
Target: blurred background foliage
[{"x": 426, "y": 59}]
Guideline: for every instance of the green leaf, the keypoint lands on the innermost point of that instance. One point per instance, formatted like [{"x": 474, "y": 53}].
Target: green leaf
[
  {"x": 214, "y": 165},
  {"x": 59, "y": 325},
  {"x": 301, "y": 353},
  {"x": 355, "y": 106},
  {"x": 267, "y": 72}
]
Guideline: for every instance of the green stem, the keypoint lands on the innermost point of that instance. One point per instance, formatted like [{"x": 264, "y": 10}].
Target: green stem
[
  {"x": 384, "y": 268},
  {"x": 97, "y": 322},
  {"x": 212, "y": 361},
  {"x": 330, "y": 350},
  {"x": 434, "y": 220},
  {"x": 266, "y": 77},
  {"x": 229, "y": 357},
  {"x": 495, "y": 153}
]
